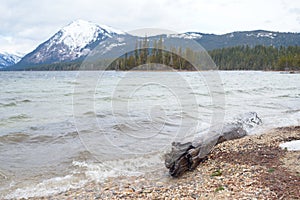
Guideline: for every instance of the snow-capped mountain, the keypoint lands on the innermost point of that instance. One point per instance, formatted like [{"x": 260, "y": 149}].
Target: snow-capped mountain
[
  {"x": 8, "y": 59},
  {"x": 250, "y": 38},
  {"x": 72, "y": 42}
]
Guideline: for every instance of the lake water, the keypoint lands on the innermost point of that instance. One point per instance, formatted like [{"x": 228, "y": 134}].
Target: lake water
[{"x": 59, "y": 130}]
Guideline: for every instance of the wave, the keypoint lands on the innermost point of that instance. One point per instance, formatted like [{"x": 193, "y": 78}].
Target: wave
[
  {"x": 73, "y": 82},
  {"x": 134, "y": 166},
  {"x": 89, "y": 113},
  {"x": 68, "y": 94},
  {"x": 8, "y": 104},
  {"x": 20, "y": 137},
  {"x": 63, "y": 138},
  {"x": 14, "y": 103},
  {"x": 83, "y": 171},
  {"x": 19, "y": 117},
  {"x": 94, "y": 114},
  {"x": 25, "y": 101},
  {"x": 14, "y": 138},
  {"x": 292, "y": 111},
  {"x": 47, "y": 187},
  {"x": 123, "y": 127},
  {"x": 200, "y": 94},
  {"x": 41, "y": 139},
  {"x": 288, "y": 96}
]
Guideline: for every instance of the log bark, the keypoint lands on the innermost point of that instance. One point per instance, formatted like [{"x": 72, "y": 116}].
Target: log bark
[{"x": 187, "y": 156}]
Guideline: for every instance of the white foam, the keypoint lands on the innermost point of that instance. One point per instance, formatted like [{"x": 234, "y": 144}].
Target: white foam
[
  {"x": 48, "y": 187},
  {"x": 130, "y": 167},
  {"x": 85, "y": 172}
]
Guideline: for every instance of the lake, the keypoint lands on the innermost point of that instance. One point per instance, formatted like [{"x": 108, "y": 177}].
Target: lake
[{"x": 59, "y": 130}]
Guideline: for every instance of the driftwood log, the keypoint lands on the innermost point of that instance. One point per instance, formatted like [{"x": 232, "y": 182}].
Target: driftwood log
[{"x": 187, "y": 156}]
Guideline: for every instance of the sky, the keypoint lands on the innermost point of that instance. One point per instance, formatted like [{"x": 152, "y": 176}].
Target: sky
[{"x": 26, "y": 24}]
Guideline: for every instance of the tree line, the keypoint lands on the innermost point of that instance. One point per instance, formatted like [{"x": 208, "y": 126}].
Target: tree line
[
  {"x": 257, "y": 58},
  {"x": 233, "y": 58},
  {"x": 156, "y": 57}
]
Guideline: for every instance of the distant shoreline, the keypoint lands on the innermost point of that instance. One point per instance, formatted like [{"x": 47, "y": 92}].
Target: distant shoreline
[{"x": 280, "y": 71}]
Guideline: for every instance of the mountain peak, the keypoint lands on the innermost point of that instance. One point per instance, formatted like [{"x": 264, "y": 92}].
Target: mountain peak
[
  {"x": 73, "y": 41},
  {"x": 79, "y": 33},
  {"x": 88, "y": 24},
  {"x": 80, "y": 21}
]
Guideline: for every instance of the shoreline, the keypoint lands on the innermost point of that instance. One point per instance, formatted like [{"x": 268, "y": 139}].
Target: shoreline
[
  {"x": 174, "y": 70},
  {"x": 251, "y": 167}
]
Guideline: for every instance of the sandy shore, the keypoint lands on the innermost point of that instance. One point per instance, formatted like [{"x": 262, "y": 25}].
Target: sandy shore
[{"x": 254, "y": 167}]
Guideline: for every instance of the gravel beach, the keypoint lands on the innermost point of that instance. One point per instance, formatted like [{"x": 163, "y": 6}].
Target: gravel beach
[{"x": 254, "y": 167}]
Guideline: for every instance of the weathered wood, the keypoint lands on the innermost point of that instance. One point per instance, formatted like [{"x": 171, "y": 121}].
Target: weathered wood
[{"x": 187, "y": 156}]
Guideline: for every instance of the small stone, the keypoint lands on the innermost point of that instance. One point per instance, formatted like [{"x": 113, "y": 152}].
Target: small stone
[
  {"x": 147, "y": 191},
  {"x": 159, "y": 184}
]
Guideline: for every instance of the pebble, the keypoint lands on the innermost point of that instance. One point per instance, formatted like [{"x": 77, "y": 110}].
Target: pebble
[{"x": 240, "y": 180}]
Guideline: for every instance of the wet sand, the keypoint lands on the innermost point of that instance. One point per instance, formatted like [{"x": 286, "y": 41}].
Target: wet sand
[{"x": 254, "y": 167}]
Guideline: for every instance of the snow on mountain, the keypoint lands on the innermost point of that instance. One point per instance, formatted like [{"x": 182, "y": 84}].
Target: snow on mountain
[
  {"x": 76, "y": 40},
  {"x": 72, "y": 42},
  {"x": 187, "y": 35},
  {"x": 112, "y": 30},
  {"x": 7, "y": 59},
  {"x": 193, "y": 35},
  {"x": 263, "y": 34},
  {"x": 80, "y": 33}
]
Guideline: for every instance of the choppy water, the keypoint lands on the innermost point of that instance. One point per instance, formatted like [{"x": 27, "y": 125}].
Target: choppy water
[{"x": 59, "y": 130}]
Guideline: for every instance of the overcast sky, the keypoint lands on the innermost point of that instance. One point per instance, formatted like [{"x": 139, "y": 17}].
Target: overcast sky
[{"x": 27, "y": 23}]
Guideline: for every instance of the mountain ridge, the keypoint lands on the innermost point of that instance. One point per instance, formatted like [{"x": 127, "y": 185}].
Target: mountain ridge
[
  {"x": 250, "y": 38},
  {"x": 70, "y": 43},
  {"x": 8, "y": 59},
  {"x": 74, "y": 42}
]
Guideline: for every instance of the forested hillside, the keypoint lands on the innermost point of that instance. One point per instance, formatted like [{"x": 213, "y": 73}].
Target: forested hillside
[
  {"x": 257, "y": 58},
  {"x": 232, "y": 58}
]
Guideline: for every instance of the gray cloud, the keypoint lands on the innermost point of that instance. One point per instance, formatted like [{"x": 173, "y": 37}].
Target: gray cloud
[
  {"x": 25, "y": 24},
  {"x": 295, "y": 10}
]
